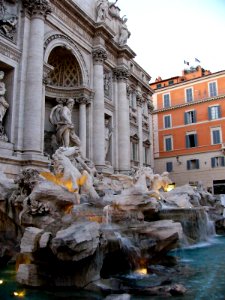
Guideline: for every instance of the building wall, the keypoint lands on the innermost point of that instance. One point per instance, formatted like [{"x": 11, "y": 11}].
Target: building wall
[{"x": 205, "y": 150}]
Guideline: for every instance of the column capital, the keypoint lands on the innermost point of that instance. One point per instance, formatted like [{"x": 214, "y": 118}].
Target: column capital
[
  {"x": 99, "y": 55},
  {"x": 121, "y": 73},
  {"x": 150, "y": 107},
  {"x": 83, "y": 100},
  {"x": 37, "y": 7}
]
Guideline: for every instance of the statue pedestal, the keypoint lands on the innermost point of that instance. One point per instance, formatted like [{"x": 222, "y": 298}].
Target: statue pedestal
[{"x": 6, "y": 148}]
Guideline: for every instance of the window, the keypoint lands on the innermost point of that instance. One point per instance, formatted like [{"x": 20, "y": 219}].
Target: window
[
  {"x": 134, "y": 151},
  {"x": 169, "y": 166},
  {"x": 192, "y": 164},
  {"x": 168, "y": 143},
  {"x": 214, "y": 112},
  {"x": 191, "y": 140},
  {"x": 166, "y": 100},
  {"x": 190, "y": 117},
  {"x": 145, "y": 155},
  {"x": 159, "y": 85},
  {"x": 167, "y": 121},
  {"x": 171, "y": 82},
  {"x": 212, "y": 89},
  {"x": 218, "y": 161},
  {"x": 215, "y": 135},
  {"x": 189, "y": 95}
]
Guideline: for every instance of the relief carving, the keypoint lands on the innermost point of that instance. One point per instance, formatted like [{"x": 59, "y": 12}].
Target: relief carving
[
  {"x": 3, "y": 107},
  {"x": 8, "y": 19}
]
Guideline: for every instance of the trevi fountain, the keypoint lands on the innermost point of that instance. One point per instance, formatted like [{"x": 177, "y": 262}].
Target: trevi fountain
[
  {"x": 73, "y": 233},
  {"x": 73, "y": 230}
]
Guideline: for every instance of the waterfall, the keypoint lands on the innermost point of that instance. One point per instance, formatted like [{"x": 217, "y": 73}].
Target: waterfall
[
  {"x": 129, "y": 249},
  {"x": 195, "y": 222}
]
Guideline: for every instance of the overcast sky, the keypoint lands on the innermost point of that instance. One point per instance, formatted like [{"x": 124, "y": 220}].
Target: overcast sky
[{"x": 164, "y": 33}]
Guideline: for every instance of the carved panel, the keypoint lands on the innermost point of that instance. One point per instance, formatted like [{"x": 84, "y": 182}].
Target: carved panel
[{"x": 8, "y": 19}]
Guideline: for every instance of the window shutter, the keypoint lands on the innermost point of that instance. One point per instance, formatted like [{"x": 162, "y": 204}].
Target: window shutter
[
  {"x": 197, "y": 163},
  {"x": 188, "y": 164},
  {"x": 187, "y": 141},
  {"x": 219, "y": 111},
  {"x": 209, "y": 113},
  {"x": 196, "y": 140},
  {"x": 169, "y": 166},
  {"x": 213, "y": 162},
  {"x": 194, "y": 116},
  {"x": 185, "y": 118},
  {"x": 222, "y": 161}
]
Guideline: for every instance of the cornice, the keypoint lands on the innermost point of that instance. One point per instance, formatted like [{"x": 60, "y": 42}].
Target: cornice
[
  {"x": 188, "y": 82},
  {"x": 221, "y": 97},
  {"x": 58, "y": 92},
  {"x": 10, "y": 51}
]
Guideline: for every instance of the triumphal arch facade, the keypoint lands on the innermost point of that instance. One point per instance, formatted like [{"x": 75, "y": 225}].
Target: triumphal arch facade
[{"x": 55, "y": 50}]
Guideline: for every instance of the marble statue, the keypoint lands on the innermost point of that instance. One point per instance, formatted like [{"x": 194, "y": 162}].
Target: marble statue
[
  {"x": 61, "y": 117},
  {"x": 124, "y": 32},
  {"x": 102, "y": 9},
  {"x": 3, "y": 107},
  {"x": 108, "y": 134},
  {"x": 63, "y": 165},
  {"x": 3, "y": 103}
]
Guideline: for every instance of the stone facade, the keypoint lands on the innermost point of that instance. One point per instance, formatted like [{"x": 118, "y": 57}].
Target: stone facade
[{"x": 55, "y": 50}]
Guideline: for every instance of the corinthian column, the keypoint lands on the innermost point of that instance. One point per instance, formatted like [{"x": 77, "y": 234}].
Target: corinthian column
[
  {"x": 37, "y": 10},
  {"x": 83, "y": 101},
  {"x": 140, "y": 132},
  {"x": 121, "y": 74},
  {"x": 99, "y": 56}
]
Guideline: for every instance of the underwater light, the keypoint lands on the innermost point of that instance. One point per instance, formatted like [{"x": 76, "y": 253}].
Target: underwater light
[
  {"x": 1, "y": 281},
  {"x": 19, "y": 294},
  {"x": 142, "y": 271}
]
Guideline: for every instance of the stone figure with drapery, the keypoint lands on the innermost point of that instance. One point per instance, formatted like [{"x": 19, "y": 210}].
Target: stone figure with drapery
[{"x": 61, "y": 117}]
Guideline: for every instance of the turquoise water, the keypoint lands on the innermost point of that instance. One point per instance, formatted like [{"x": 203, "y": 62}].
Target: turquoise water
[{"x": 201, "y": 269}]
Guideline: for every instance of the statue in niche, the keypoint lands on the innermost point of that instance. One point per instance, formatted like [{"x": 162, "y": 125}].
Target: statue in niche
[
  {"x": 124, "y": 32},
  {"x": 108, "y": 134},
  {"x": 107, "y": 84},
  {"x": 3, "y": 107},
  {"x": 102, "y": 9},
  {"x": 61, "y": 117}
]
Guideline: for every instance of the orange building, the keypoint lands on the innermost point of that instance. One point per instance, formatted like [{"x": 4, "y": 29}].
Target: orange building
[{"x": 189, "y": 128}]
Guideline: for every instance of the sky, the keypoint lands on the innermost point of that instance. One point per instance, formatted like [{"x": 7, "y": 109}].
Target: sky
[{"x": 164, "y": 33}]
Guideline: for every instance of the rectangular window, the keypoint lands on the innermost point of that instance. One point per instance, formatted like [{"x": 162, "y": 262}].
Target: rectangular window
[
  {"x": 167, "y": 121},
  {"x": 169, "y": 166},
  {"x": 212, "y": 89},
  {"x": 171, "y": 82},
  {"x": 146, "y": 152},
  {"x": 189, "y": 95},
  {"x": 214, "y": 112},
  {"x": 192, "y": 164},
  {"x": 134, "y": 151},
  {"x": 216, "y": 135},
  {"x": 191, "y": 140},
  {"x": 190, "y": 117},
  {"x": 166, "y": 100},
  {"x": 159, "y": 85},
  {"x": 168, "y": 143},
  {"x": 218, "y": 161}
]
